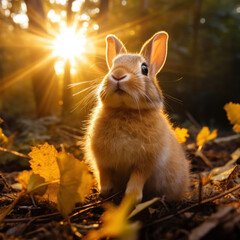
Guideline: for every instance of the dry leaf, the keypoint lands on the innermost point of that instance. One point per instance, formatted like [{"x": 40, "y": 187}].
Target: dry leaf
[
  {"x": 222, "y": 173},
  {"x": 51, "y": 193},
  {"x": 23, "y": 178},
  {"x": 115, "y": 222},
  {"x": 3, "y": 138},
  {"x": 31, "y": 181},
  {"x": 75, "y": 182},
  {"x": 35, "y": 183},
  {"x": 141, "y": 206},
  {"x": 204, "y": 135},
  {"x": 233, "y": 115},
  {"x": 44, "y": 162},
  {"x": 181, "y": 134}
]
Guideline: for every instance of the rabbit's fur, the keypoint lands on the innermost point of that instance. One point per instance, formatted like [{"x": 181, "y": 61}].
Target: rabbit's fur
[{"x": 129, "y": 143}]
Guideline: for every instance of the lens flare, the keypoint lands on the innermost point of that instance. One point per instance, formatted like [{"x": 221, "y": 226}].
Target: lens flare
[{"x": 69, "y": 44}]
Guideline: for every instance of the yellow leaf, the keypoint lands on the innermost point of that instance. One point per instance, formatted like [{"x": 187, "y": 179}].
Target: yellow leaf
[
  {"x": 236, "y": 128},
  {"x": 233, "y": 115},
  {"x": 233, "y": 112},
  {"x": 75, "y": 182},
  {"x": 44, "y": 162},
  {"x": 51, "y": 193},
  {"x": 23, "y": 178},
  {"x": 3, "y": 138},
  {"x": 35, "y": 184},
  {"x": 115, "y": 222},
  {"x": 204, "y": 136},
  {"x": 141, "y": 206},
  {"x": 31, "y": 181},
  {"x": 181, "y": 134}
]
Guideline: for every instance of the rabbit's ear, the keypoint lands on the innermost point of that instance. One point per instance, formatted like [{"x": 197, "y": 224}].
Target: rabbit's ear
[
  {"x": 155, "y": 51},
  {"x": 113, "y": 47}
]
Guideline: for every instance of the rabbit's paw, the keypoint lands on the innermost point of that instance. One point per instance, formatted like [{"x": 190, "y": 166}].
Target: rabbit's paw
[{"x": 136, "y": 193}]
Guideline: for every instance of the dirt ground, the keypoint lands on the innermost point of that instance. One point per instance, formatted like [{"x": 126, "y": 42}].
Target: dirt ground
[{"x": 210, "y": 211}]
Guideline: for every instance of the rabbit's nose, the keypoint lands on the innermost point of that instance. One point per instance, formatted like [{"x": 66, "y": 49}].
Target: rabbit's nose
[{"x": 119, "y": 78}]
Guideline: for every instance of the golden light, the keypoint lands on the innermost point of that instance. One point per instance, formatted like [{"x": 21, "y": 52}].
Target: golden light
[{"x": 69, "y": 44}]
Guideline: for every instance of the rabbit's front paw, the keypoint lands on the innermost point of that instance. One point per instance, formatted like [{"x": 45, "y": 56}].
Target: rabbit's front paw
[{"x": 137, "y": 193}]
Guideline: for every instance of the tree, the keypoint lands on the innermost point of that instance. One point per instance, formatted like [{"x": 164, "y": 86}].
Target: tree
[{"x": 44, "y": 81}]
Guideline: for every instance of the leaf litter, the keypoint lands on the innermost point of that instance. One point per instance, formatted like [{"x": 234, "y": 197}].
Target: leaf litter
[{"x": 211, "y": 209}]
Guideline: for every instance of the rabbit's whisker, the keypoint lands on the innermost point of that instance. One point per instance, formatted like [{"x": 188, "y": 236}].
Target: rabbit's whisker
[{"x": 91, "y": 87}]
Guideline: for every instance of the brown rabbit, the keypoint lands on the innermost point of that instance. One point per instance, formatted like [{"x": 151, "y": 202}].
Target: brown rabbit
[{"x": 130, "y": 143}]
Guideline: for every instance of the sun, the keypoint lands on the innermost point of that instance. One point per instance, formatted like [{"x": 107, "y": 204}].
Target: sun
[{"x": 69, "y": 44}]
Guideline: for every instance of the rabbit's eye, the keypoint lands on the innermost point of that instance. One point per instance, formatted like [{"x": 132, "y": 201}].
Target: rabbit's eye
[{"x": 144, "y": 69}]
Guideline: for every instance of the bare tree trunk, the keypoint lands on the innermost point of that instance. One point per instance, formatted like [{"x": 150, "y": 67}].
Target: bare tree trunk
[
  {"x": 144, "y": 5},
  {"x": 44, "y": 81},
  {"x": 67, "y": 92},
  {"x": 196, "y": 25},
  {"x": 103, "y": 15},
  {"x": 102, "y": 21}
]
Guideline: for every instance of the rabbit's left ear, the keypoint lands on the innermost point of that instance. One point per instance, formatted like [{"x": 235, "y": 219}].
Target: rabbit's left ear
[
  {"x": 155, "y": 51},
  {"x": 113, "y": 47}
]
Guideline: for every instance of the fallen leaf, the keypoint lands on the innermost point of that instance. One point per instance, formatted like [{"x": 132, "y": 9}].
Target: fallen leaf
[
  {"x": 3, "y": 138},
  {"x": 44, "y": 162},
  {"x": 204, "y": 136},
  {"x": 236, "y": 154},
  {"x": 115, "y": 222},
  {"x": 141, "y": 206},
  {"x": 23, "y": 178},
  {"x": 222, "y": 173},
  {"x": 181, "y": 134},
  {"x": 233, "y": 115},
  {"x": 51, "y": 193},
  {"x": 35, "y": 184},
  {"x": 75, "y": 182}
]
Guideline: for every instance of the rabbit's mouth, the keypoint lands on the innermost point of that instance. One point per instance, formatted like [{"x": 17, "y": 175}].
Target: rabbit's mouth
[{"x": 119, "y": 90}]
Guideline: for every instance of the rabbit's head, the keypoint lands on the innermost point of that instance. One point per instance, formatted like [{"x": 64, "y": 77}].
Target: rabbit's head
[{"x": 130, "y": 82}]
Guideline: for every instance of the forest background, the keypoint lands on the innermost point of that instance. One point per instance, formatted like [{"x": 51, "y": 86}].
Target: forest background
[{"x": 201, "y": 73}]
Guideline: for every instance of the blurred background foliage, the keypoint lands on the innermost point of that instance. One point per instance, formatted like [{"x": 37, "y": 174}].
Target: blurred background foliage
[{"x": 201, "y": 74}]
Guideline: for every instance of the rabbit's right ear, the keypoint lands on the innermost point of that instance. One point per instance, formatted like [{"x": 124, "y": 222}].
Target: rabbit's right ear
[
  {"x": 113, "y": 47},
  {"x": 155, "y": 51}
]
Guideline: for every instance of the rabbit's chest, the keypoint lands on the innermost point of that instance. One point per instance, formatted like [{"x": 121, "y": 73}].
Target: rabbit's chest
[{"x": 118, "y": 144}]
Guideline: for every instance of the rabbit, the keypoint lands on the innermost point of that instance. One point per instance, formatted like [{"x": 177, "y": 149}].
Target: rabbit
[{"x": 130, "y": 144}]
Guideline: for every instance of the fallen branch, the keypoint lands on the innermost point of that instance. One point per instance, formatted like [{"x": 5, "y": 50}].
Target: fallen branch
[
  {"x": 14, "y": 152},
  {"x": 10, "y": 207},
  {"x": 193, "y": 206}
]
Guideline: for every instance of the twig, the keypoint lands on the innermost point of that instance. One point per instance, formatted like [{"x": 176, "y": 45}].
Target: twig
[
  {"x": 10, "y": 207},
  {"x": 226, "y": 139},
  {"x": 193, "y": 206},
  {"x": 14, "y": 152},
  {"x": 203, "y": 157},
  {"x": 46, "y": 216}
]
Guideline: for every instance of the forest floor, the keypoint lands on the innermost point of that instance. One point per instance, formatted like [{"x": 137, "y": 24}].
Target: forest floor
[{"x": 210, "y": 211}]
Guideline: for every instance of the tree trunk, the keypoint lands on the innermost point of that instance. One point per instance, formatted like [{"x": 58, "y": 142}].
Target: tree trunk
[
  {"x": 103, "y": 15},
  {"x": 196, "y": 25},
  {"x": 44, "y": 81},
  {"x": 67, "y": 92}
]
